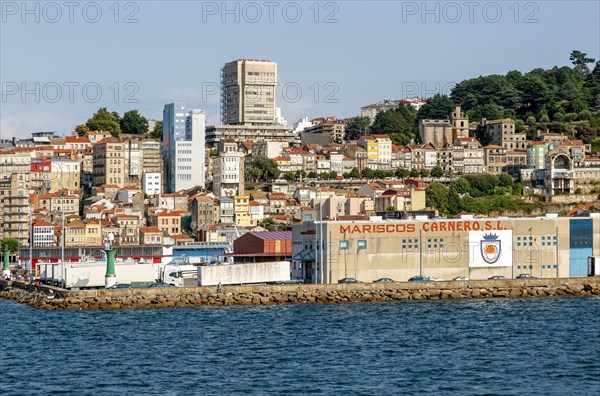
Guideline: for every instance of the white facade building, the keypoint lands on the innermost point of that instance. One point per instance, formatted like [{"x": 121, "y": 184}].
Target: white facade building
[
  {"x": 43, "y": 234},
  {"x": 228, "y": 174},
  {"x": 279, "y": 120},
  {"x": 151, "y": 183},
  {"x": 301, "y": 125},
  {"x": 183, "y": 147}
]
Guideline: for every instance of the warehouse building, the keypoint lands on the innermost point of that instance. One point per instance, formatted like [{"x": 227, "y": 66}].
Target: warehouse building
[
  {"x": 262, "y": 246},
  {"x": 478, "y": 248}
]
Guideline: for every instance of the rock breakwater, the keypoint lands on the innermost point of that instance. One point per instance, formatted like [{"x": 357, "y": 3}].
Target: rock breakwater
[{"x": 296, "y": 294}]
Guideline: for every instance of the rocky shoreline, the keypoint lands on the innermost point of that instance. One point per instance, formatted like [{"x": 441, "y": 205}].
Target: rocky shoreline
[{"x": 296, "y": 294}]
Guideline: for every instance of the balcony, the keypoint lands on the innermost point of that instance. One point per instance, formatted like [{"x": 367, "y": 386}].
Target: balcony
[{"x": 562, "y": 175}]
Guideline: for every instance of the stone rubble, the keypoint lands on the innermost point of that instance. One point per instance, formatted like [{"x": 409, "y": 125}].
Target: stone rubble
[{"x": 161, "y": 298}]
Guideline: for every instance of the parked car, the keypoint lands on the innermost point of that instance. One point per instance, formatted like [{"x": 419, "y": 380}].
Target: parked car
[
  {"x": 525, "y": 276},
  {"x": 462, "y": 278},
  {"x": 497, "y": 277},
  {"x": 419, "y": 278},
  {"x": 293, "y": 281},
  {"x": 120, "y": 286},
  {"x": 384, "y": 280},
  {"x": 161, "y": 284},
  {"x": 349, "y": 280}
]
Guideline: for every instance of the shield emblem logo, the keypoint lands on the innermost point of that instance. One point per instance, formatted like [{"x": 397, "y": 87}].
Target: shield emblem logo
[{"x": 491, "y": 248}]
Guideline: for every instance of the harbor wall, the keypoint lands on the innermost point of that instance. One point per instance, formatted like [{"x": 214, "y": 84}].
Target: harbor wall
[{"x": 295, "y": 294}]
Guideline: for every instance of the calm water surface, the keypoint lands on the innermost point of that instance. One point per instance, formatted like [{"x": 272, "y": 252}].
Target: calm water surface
[{"x": 501, "y": 347}]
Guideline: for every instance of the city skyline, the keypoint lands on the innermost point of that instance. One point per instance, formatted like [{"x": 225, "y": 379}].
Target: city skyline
[{"x": 336, "y": 77}]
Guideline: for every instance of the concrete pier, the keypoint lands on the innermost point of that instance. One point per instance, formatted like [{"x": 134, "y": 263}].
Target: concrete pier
[{"x": 296, "y": 294}]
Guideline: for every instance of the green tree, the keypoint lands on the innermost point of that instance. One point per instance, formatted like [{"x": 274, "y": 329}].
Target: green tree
[
  {"x": 584, "y": 115},
  {"x": 367, "y": 173},
  {"x": 436, "y": 196},
  {"x": 437, "y": 171},
  {"x": 289, "y": 176},
  {"x": 102, "y": 120},
  {"x": 312, "y": 175},
  {"x": 570, "y": 117},
  {"x": 264, "y": 169},
  {"x": 490, "y": 111},
  {"x": 399, "y": 123},
  {"x": 482, "y": 185},
  {"x": 424, "y": 172},
  {"x": 379, "y": 174},
  {"x": 505, "y": 180},
  {"x": 519, "y": 126},
  {"x": 354, "y": 174},
  {"x": 186, "y": 224},
  {"x": 414, "y": 173},
  {"x": 580, "y": 60},
  {"x": 437, "y": 107},
  {"x": 157, "y": 132},
  {"x": 81, "y": 129},
  {"x": 454, "y": 203},
  {"x": 402, "y": 173},
  {"x": 586, "y": 133},
  {"x": 357, "y": 127},
  {"x": 134, "y": 123},
  {"x": 272, "y": 225},
  {"x": 12, "y": 244},
  {"x": 460, "y": 185}
]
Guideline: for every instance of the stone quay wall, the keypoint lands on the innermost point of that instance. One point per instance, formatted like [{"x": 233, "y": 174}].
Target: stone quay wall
[{"x": 47, "y": 297}]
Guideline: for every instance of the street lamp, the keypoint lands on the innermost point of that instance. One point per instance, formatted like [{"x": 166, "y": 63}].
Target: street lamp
[{"x": 530, "y": 252}]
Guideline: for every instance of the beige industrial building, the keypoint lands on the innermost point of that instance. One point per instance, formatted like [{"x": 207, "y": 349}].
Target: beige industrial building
[
  {"x": 441, "y": 132},
  {"x": 478, "y": 248}
]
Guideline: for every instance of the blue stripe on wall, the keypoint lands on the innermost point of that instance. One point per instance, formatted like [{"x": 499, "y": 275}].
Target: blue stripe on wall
[{"x": 581, "y": 245}]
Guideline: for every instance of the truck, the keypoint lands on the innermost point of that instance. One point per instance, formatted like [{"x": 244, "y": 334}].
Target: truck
[
  {"x": 180, "y": 275},
  {"x": 244, "y": 274},
  {"x": 88, "y": 275}
]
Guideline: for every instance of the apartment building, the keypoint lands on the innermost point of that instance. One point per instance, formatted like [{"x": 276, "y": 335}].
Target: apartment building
[
  {"x": 109, "y": 163},
  {"x": 228, "y": 174},
  {"x": 167, "y": 222},
  {"x": 248, "y": 92},
  {"x": 129, "y": 225},
  {"x": 328, "y": 126},
  {"x": 503, "y": 133},
  {"x": 183, "y": 147},
  {"x": 15, "y": 183},
  {"x": 241, "y": 210},
  {"x": 499, "y": 160},
  {"x": 134, "y": 160},
  {"x": 43, "y": 234}
]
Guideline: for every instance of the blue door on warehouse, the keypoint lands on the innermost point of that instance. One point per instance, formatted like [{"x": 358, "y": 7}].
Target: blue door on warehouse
[{"x": 581, "y": 243}]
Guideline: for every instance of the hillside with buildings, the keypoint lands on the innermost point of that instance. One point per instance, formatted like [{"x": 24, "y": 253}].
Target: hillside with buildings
[{"x": 180, "y": 182}]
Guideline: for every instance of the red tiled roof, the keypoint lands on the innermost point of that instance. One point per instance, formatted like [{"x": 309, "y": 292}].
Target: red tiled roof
[
  {"x": 150, "y": 229},
  {"x": 77, "y": 139},
  {"x": 41, "y": 223},
  {"x": 167, "y": 214}
]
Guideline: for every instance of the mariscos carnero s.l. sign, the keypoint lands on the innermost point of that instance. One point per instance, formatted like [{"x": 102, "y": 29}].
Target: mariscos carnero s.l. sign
[{"x": 427, "y": 226}]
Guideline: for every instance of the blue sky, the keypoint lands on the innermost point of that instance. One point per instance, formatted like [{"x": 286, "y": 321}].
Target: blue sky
[{"x": 346, "y": 55}]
